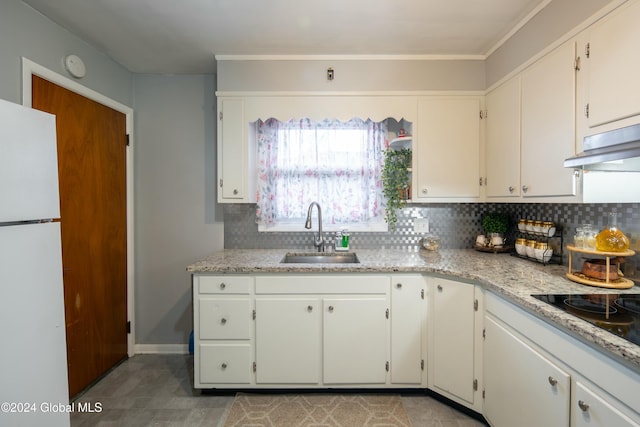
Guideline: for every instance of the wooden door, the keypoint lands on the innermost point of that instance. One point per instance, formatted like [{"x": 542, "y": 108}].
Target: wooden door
[{"x": 92, "y": 179}]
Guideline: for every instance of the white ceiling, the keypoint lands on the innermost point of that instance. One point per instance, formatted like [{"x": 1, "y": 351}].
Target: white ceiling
[{"x": 182, "y": 36}]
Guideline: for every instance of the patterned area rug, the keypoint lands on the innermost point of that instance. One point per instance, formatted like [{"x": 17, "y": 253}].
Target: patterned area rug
[{"x": 316, "y": 410}]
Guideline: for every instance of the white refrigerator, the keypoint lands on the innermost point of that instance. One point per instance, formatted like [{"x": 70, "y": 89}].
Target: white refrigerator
[{"x": 33, "y": 357}]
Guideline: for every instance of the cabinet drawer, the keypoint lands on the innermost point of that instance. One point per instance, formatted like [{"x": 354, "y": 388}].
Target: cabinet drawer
[
  {"x": 225, "y": 363},
  {"x": 224, "y": 284},
  {"x": 326, "y": 284},
  {"x": 225, "y": 318}
]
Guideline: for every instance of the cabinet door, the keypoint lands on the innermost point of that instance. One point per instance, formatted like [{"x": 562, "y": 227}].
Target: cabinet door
[
  {"x": 448, "y": 148},
  {"x": 355, "y": 340},
  {"x": 224, "y": 318},
  {"x": 288, "y": 339},
  {"x": 503, "y": 140},
  {"x": 591, "y": 410},
  {"x": 522, "y": 387},
  {"x": 232, "y": 151},
  {"x": 408, "y": 312},
  {"x": 452, "y": 326},
  {"x": 548, "y": 124},
  {"x": 613, "y": 63}
]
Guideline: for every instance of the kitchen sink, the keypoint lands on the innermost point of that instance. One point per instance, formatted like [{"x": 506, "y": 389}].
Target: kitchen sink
[{"x": 320, "y": 258}]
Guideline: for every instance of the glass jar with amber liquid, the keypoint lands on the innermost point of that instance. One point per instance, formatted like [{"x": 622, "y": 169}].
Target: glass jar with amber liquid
[{"x": 611, "y": 239}]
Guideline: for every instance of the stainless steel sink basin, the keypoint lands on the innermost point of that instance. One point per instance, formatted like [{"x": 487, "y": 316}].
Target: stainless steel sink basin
[{"x": 321, "y": 258}]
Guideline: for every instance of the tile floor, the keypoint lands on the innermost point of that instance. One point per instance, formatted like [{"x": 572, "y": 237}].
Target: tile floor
[{"x": 156, "y": 390}]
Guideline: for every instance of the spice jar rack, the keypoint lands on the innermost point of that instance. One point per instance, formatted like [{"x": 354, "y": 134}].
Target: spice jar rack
[
  {"x": 607, "y": 282},
  {"x": 538, "y": 236}
]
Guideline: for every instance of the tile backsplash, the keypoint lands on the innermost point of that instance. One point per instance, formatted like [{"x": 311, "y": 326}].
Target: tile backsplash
[{"x": 457, "y": 225}]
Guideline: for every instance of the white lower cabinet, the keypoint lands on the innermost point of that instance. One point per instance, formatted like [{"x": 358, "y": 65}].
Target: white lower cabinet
[
  {"x": 591, "y": 410},
  {"x": 223, "y": 331},
  {"x": 322, "y": 330},
  {"x": 536, "y": 375},
  {"x": 522, "y": 387},
  {"x": 454, "y": 341},
  {"x": 289, "y": 339},
  {"x": 355, "y": 340},
  {"x": 408, "y": 329}
]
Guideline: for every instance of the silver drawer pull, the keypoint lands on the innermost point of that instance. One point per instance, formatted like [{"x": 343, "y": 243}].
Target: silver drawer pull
[
  {"x": 330, "y": 309},
  {"x": 553, "y": 381},
  {"x": 309, "y": 308},
  {"x": 399, "y": 285},
  {"x": 222, "y": 286},
  {"x": 583, "y": 406},
  {"x": 223, "y": 321},
  {"x": 223, "y": 366},
  {"x": 440, "y": 288}
]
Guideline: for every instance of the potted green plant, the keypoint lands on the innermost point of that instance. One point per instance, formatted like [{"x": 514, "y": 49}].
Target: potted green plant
[
  {"x": 396, "y": 182},
  {"x": 496, "y": 223}
]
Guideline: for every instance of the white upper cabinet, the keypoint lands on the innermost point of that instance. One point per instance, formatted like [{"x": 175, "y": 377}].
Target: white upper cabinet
[
  {"x": 233, "y": 152},
  {"x": 503, "y": 140},
  {"x": 530, "y": 131},
  {"x": 548, "y": 124},
  {"x": 447, "y": 151},
  {"x": 611, "y": 56}
]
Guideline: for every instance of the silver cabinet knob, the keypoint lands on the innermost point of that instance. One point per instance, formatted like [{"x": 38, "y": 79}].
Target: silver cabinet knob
[
  {"x": 424, "y": 191},
  {"x": 511, "y": 189},
  {"x": 330, "y": 309},
  {"x": 224, "y": 365},
  {"x": 235, "y": 192},
  {"x": 583, "y": 406},
  {"x": 553, "y": 381},
  {"x": 223, "y": 321},
  {"x": 399, "y": 285},
  {"x": 309, "y": 308},
  {"x": 440, "y": 288},
  {"x": 525, "y": 188},
  {"x": 222, "y": 286}
]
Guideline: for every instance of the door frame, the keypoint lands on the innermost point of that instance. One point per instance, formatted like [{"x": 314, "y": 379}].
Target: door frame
[{"x": 30, "y": 68}]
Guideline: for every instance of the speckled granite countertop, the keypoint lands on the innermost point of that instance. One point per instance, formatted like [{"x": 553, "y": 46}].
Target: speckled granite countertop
[{"x": 513, "y": 278}]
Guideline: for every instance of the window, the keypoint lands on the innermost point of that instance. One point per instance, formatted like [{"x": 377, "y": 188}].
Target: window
[{"x": 337, "y": 164}]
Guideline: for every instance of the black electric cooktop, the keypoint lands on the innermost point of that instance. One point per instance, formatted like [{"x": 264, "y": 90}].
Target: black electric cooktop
[{"x": 616, "y": 313}]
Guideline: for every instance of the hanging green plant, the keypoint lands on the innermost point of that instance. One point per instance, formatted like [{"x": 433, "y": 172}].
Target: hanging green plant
[{"x": 396, "y": 182}]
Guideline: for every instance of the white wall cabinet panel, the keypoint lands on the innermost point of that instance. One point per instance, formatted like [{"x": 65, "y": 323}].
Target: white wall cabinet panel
[
  {"x": 408, "y": 325},
  {"x": 452, "y": 326},
  {"x": 548, "y": 124},
  {"x": 447, "y": 153},
  {"x": 355, "y": 340},
  {"x": 590, "y": 410},
  {"x": 522, "y": 387},
  {"x": 503, "y": 140},
  {"x": 233, "y": 152},
  {"x": 613, "y": 61},
  {"x": 288, "y": 339}
]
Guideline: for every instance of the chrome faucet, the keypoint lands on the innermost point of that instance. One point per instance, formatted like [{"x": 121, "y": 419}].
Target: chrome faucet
[{"x": 317, "y": 241}]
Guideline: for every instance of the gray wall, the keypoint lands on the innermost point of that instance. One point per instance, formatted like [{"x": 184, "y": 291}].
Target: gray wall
[
  {"x": 551, "y": 23},
  {"x": 25, "y": 32},
  {"x": 350, "y": 75},
  {"x": 177, "y": 220}
]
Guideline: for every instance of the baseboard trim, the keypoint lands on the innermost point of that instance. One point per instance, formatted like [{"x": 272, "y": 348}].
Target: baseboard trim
[{"x": 161, "y": 349}]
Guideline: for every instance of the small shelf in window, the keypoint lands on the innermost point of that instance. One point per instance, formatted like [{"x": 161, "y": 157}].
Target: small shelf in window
[{"x": 401, "y": 142}]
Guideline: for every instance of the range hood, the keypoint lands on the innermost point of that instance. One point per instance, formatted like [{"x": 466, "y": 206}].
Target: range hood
[{"x": 616, "y": 150}]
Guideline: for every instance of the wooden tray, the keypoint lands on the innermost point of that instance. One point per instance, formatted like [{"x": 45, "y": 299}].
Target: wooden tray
[{"x": 493, "y": 249}]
